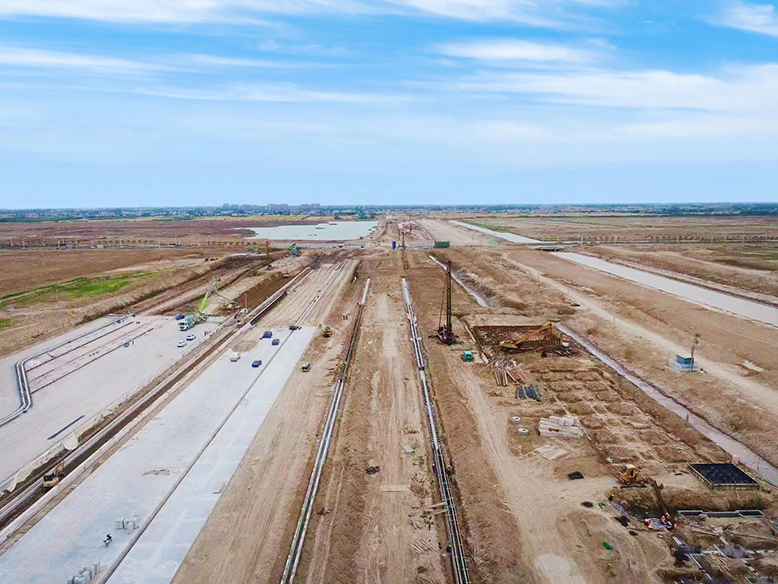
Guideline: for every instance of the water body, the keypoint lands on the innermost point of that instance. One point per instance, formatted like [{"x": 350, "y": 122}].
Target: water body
[
  {"x": 334, "y": 231},
  {"x": 737, "y": 306},
  {"x": 727, "y": 443},
  {"x": 500, "y": 234}
]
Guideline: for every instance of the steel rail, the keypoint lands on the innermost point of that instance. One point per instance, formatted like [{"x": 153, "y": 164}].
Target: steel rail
[
  {"x": 456, "y": 545},
  {"x": 298, "y": 540}
]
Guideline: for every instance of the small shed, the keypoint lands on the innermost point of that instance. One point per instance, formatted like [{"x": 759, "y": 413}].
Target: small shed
[
  {"x": 467, "y": 356},
  {"x": 681, "y": 363}
]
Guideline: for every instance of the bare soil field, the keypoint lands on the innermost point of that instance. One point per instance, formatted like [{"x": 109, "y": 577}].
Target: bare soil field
[
  {"x": 733, "y": 268},
  {"x": 38, "y": 313},
  {"x": 738, "y": 394},
  {"x": 542, "y": 533},
  {"x": 29, "y": 269},
  {"x": 630, "y": 228},
  {"x": 206, "y": 232}
]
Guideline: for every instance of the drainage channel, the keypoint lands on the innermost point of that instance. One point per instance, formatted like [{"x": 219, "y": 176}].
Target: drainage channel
[
  {"x": 458, "y": 560},
  {"x": 298, "y": 541},
  {"x": 727, "y": 443}
]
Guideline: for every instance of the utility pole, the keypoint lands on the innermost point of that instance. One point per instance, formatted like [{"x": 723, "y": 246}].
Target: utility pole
[{"x": 694, "y": 346}]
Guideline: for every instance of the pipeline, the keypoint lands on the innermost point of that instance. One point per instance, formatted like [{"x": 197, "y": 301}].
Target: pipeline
[
  {"x": 298, "y": 541},
  {"x": 456, "y": 545}
]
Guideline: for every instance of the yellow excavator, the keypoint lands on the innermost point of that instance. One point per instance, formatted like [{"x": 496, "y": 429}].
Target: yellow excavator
[
  {"x": 52, "y": 478},
  {"x": 630, "y": 476}
]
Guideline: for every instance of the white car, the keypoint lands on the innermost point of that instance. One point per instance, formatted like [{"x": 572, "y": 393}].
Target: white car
[
  {"x": 181, "y": 344},
  {"x": 235, "y": 357},
  {"x": 191, "y": 337}
]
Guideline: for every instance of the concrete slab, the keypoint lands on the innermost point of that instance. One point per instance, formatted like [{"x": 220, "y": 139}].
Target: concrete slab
[
  {"x": 9, "y": 395},
  {"x": 159, "y": 552},
  {"x": 140, "y": 475},
  {"x": 87, "y": 391}
]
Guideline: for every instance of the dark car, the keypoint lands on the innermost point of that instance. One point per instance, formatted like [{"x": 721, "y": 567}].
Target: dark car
[
  {"x": 256, "y": 363},
  {"x": 276, "y": 341}
]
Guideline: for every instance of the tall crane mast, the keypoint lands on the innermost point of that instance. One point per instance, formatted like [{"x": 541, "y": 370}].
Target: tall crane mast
[{"x": 446, "y": 333}]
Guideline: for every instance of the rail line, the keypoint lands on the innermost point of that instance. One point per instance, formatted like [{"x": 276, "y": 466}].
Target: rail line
[
  {"x": 298, "y": 540},
  {"x": 33, "y": 490},
  {"x": 457, "y": 548}
]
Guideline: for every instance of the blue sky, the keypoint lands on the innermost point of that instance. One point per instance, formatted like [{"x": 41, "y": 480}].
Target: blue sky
[{"x": 192, "y": 102}]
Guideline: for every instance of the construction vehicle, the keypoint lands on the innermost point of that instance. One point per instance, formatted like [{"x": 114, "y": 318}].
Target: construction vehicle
[
  {"x": 467, "y": 356},
  {"x": 446, "y": 332},
  {"x": 544, "y": 337},
  {"x": 327, "y": 332},
  {"x": 630, "y": 476},
  {"x": 191, "y": 320},
  {"x": 231, "y": 304},
  {"x": 293, "y": 250},
  {"x": 54, "y": 476}
]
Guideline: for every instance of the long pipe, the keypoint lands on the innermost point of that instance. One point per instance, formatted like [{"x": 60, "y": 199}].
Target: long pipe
[
  {"x": 458, "y": 559},
  {"x": 298, "y": 541}
]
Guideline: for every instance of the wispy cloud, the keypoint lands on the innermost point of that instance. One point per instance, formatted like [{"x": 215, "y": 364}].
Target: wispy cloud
[
  {"x": 742, "y": 89},
  {"x": 758, "y": 18},
  {"x": 273, "y": 92},
  {"x": 36, "y": 58},
  {"x": 531, "y": 12},
  {"x": 511, "y": 50},
  {"x": 195, "y": 59}
]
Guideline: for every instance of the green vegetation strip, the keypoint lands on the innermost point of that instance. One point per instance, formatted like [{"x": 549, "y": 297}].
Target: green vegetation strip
[{"x": 75, "y": 289}]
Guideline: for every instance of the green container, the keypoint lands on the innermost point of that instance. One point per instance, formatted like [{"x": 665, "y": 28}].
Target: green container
[{"x": 442, "y": 244}]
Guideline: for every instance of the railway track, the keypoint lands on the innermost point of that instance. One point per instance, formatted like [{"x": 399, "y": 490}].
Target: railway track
[
  {"x": 33, "y": 487},
  {"x": 298, "y": 540},
  {"x": 456, "y": 546}
]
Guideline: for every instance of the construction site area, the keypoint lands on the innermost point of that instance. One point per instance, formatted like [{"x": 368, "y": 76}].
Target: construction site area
[{"x": 448, "y": 399}]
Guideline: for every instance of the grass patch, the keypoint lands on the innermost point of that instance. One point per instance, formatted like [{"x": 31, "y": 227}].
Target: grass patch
[
  {"x": 74, "y": 289},
  {"x": 5, "y": 323}
]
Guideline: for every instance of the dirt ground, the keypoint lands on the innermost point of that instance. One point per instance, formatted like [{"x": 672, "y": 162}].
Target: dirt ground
[
  {"x": 630, "y": 227},
  {"x": 733, "y": 269},
  {"x": 206, "y": 232},
  {"x": 374, "y": 528},
  {"x": 737, "y": 390},
  {"x": 551, "y": 537},
  {"x": 29, "y": 269},
  {"x": 156, "y": 292}
]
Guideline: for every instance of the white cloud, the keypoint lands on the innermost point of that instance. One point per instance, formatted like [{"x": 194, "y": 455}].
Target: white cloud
[
  {"x": 759, "y": 18},
  {"x": 515, "y": 50},
  {"x": 532, "y": 12},
  {"x": 219, "y": 61},
  {"x": 272, "y": 92},
  {"x": 747, "y": 88},
  {"x": 35, "y": 58}
]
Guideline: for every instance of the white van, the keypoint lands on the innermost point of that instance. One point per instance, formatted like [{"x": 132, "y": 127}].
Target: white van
[{"x": 235, "y": 357}]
